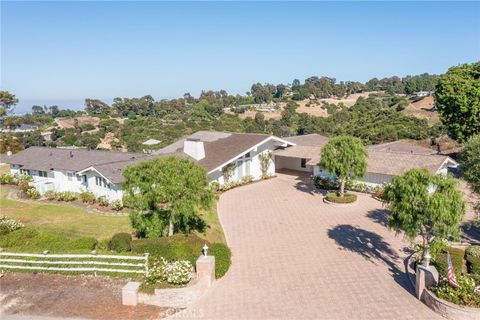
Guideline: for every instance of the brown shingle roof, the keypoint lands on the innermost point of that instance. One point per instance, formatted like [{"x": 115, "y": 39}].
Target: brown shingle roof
[{"x": 220, "y": 147}]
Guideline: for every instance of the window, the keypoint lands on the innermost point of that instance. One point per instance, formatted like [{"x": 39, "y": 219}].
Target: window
[
  {"x": 24, "y": 172},
  {"x": 70, "y": 176},
  {"x": 102, "y": 182},
  {"x": 303, "y": 163},
  {"x": 43, "y": 174},
  {"x": 247, "y": 155}
]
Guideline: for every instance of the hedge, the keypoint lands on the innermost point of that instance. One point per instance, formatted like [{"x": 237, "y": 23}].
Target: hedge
[
  {"x": 36, "y": 241},
  {"x": 347, "y": 197},
  {"x": 472, "y": 255},
  {"x": 177, "y": 247},
  {"x": 223, "y": 257},
  {"x": 440, "y": 262},
  {"x": 120, "y": 242}
]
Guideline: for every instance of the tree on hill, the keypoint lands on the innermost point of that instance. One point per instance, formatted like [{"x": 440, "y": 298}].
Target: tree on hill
[
  {"x": 457, "y": 98},
  {"x": 166, "y": 194},
  {"x": 96, "y": 107},
  {"x": 345, "y": 157},
  {"x": 7, "y": 101},
  {"x": 470, "y": 160},
  {"x": 426, "y": 205}
]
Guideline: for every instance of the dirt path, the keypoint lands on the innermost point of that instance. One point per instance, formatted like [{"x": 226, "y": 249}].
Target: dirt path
[{"x": 86, "y": 297}]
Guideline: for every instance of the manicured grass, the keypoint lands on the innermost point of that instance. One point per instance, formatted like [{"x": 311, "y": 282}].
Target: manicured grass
[
  {"x": 63, "y": 218},
  {"x": 214, "y": 232}
]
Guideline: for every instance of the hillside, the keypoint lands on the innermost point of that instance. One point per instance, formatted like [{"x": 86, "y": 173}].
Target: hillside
[{"x": 423, "y": 109}]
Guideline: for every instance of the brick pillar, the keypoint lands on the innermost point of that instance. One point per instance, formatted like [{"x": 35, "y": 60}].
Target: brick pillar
[
  {"x": 130, "y": 293},
  {"x": 206, "y": 268},
  {"x": 425, "y": 278}
]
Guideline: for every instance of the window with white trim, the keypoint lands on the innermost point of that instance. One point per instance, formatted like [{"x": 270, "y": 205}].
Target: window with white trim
[
  {"x": 70, "y": 176},
  {"x": 43, "y": 174},
  {"x": 25, "y": 172}
]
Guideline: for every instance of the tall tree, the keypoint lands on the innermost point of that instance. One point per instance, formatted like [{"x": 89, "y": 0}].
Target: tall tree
[
  {"x": 7, "y": 102},
  {"x": 458, "y": 100},
  {"x": 345, "y": 157},
  {"x": 424, "y": 204},
  {"x": 96, "y": 107},
  {"x": 470, "y": 160},
  {"x": 166, "y": 194}
]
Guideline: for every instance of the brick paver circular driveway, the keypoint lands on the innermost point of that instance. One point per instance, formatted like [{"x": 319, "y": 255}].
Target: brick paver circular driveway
[{"x": 295, "y": 257}]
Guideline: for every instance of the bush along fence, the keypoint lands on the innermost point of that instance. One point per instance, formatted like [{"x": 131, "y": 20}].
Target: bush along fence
[{"x": 75, "y": 263}]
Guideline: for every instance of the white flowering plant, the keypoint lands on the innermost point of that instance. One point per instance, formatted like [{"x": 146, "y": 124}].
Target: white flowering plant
[
  {"x": 9, "y": 225},
  {"x": 175, "y": 272}
]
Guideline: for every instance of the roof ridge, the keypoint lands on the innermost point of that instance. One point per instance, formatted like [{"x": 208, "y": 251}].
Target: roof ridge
[{"x": 411, "y": 153}]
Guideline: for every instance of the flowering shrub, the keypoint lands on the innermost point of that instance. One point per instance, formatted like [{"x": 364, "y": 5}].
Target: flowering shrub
[
  {"x": 103, "y": 201},
  {"x": 176, "y": 272},
  {"x": 8, "y": 178},
  {"x": 116, "y": 205},
  {"x": 465, "y": 295},
  {"x": 33, "y": 193},
  {"x": 50, "y": 195},
  {"x": 23, "y": 181},
  {"x": 87, "y": 197},
  {"x": 66, "y": 196},
  {"x": 7, "y": 225}
]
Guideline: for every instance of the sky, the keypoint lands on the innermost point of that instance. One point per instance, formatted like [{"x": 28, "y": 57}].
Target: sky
[{"x": 63, "y": 52}]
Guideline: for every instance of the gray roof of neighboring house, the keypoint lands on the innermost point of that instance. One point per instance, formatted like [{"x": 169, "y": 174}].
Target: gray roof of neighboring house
[
  {"x": 45, "y": 159},
  {"x": 220, "y": 147},
  {"x": 312, "y": 140},
  {"x": 405, "y": 146},
  {"x": 392, "y": 158}
]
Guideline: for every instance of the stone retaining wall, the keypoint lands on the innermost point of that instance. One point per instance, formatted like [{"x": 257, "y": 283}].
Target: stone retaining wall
[{"x": 449, "y": 310}]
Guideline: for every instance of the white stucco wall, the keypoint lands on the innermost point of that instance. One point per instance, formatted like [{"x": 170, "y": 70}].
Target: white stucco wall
[
  {"x": 255, "y": 168},
  {"x": 371, "y": 179},
  {"x": 58, "y": 180},
  {"x": 291, "y": 163}
]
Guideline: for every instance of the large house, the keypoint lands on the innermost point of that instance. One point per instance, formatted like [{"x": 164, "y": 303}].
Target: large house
[
  {"x": 100, "y": 172},
  {"x": 384, "y": 161}
]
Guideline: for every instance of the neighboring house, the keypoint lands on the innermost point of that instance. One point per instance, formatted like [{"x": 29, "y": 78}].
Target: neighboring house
[
  {"x": 22, "y": 128},
  {"x": 384, "y": 161},
  {"x": 100, "y": 172},
  {"x": 420, "y": 94}
]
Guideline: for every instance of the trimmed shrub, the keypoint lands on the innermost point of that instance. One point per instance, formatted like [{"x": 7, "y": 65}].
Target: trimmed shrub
[
  {"x": 440, "y": 262},
  {"x": 223, "y": 257},
  {"x": 87, "y": 197},
  {"x": 33, "y": 240},
  {"x": 50, "y": 195},
  {"x": 177, "y": 247},
  {"x": 32, "y": 193},
  {"x": 472, "y": 255},
  {"x": 120, "y": 242},
  {"x": 335, "y": 198},
  {"x": 116, "y": 205},
  {"x": 325, "y": 183},
  {"x": 103, "y": 201},
  {"x": 66, "y": 196}
]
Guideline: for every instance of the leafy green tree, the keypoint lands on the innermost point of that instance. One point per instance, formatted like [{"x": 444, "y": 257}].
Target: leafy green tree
[
  {"x": 7, "y": 101},
  {"x": 424, "y": 204},
  {"x": 470, "y": 160},
  {"x": 166, "y": 194},
  {"x": 458, "y": 100},
  {"x": 96, "y": 107},
  {"x": 345, "y": 157}
]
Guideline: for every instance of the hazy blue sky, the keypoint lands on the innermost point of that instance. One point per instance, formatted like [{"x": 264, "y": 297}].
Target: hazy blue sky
[{"x": 63, "y": 52}]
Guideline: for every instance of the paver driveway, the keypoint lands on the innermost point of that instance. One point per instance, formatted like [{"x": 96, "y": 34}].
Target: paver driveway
[{"x": 295, "y": 257}]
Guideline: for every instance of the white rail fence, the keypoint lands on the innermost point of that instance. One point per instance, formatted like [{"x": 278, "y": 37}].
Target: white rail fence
[{"x": 75, "y": 262}]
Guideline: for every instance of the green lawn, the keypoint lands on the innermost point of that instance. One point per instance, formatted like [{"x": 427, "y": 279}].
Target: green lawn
[
  {"x": 67, "y": 219},
  {"x": 214, "y": 232}
]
